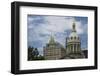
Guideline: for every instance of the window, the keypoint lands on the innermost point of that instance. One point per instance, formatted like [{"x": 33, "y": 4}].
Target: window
[
  {"x": 74, "y": 37},
  {"x": 71, "y": 38}
]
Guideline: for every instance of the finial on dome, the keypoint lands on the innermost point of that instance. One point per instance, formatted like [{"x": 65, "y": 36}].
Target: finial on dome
[{"x": 73, "y": 25}]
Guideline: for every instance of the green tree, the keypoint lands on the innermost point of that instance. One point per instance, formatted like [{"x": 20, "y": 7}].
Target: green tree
[
  {"x": 35, "y": 52},
  {"x": 30, "y": 49}
]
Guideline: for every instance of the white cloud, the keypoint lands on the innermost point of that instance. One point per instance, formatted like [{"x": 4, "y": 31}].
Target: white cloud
[
  {"x": 59, "y": 24},
  {"x": 56, "y": 24}
]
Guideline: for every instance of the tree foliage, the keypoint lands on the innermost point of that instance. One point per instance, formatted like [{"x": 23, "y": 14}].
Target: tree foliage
[{"x": 33, "y": 54}]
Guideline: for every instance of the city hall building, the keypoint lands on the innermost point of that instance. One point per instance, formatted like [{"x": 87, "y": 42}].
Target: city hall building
[{"x": 54, "y": 50}]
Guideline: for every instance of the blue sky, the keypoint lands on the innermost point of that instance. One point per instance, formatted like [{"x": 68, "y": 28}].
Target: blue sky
[{"x": 40, "y": 28}]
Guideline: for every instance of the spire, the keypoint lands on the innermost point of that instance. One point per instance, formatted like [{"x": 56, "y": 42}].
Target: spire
[
  {"x": 73, "y": 26},
  {"x": 51, "y": 39}
]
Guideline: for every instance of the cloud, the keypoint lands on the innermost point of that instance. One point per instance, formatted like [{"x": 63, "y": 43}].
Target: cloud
[
  {"x": 55, "y": 24},
  {"x": 41, "y": 27}
]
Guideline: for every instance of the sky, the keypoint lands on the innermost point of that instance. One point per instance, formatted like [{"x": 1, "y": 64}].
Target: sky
[{"x": 41, "y": 27}]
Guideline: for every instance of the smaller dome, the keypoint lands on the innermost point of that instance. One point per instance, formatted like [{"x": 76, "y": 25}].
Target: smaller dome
[{"x": 73, "y": 34}]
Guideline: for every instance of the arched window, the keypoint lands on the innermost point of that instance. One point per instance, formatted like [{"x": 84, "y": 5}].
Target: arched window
[
  {"x": 74, "y": 37},
  {"x": 71, "y": 38}
]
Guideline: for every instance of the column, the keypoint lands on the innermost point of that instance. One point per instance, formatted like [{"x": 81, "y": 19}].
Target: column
[
  {"x": 73, "y": 47},
  {"x": 69, "y": 48},
  {"x": 79, "y": 47},
  {"x": 76, "y": 48}
]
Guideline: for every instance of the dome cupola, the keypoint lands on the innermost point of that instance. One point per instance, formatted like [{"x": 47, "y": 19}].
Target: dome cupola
[{"x": 73, "y": 35}]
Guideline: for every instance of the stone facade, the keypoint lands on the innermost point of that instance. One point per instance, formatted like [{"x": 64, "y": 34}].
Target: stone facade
[
  {"x": 53, "y": 50},
  {"x": 73, "y": 45}
]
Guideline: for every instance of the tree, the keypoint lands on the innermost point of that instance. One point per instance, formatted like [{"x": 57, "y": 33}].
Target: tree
[
  {"x": 41, "y": 57},
  {"x": 35, "y": 52},
  {"x": 30, "y": 49}
]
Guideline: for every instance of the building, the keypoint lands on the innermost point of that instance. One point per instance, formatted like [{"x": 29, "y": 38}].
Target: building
[
  {"x": 73, "y": 44},
  {"x": 53, "y": 50}
]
